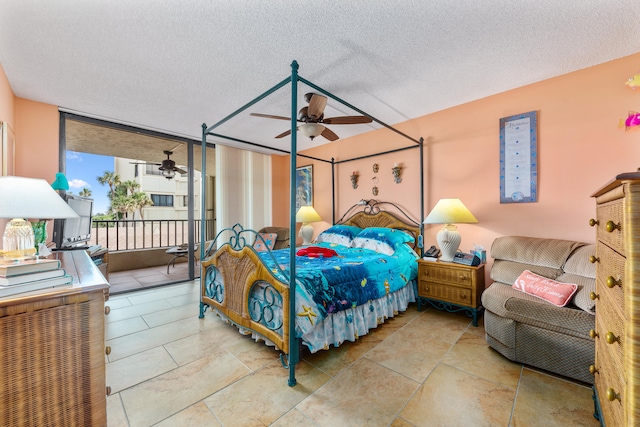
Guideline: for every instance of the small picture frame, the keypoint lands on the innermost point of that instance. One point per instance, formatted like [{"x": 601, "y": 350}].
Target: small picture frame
[{"x": 304, "y": 186}]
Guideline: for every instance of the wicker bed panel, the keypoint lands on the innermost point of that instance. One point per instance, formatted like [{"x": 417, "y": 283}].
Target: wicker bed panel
[{"x": 240, "y": 271}]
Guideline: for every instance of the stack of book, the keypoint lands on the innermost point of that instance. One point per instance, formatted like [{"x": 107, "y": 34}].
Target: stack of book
[{"x": 31, "y": 275}]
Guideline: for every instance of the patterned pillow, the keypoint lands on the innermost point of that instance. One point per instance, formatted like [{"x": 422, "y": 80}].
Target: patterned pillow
[
  {"x": 269, "y": 241},
  {"x": 382, "y": 240},
  {"x": 557, "y": 293},
  {"x": 339, "y": 234}
]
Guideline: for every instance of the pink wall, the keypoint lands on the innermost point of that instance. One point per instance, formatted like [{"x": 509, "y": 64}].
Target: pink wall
[
  {"x": 580, "y": 148},
  {"x": 35, "y": 126},
  {"x": 7, "y": 100}
]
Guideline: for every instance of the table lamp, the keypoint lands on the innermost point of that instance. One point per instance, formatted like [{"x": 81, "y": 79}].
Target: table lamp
[
  {"x": 448, "y": 212},
  {"x": 307, "y": 215},
  {"x": 24, "y": 198}
]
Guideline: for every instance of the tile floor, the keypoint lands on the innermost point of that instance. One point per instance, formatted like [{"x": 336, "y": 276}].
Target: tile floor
[
  {"x": 167, "y": 367},
  {"x": 143, "y": 278}
]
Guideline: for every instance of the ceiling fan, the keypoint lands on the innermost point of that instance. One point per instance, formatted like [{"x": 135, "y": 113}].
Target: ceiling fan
[
  {"x": 168, "y": 166},
  {"x": 313, "y": 120}
]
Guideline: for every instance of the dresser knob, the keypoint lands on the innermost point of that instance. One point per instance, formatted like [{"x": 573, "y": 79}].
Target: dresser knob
[
  {"x": 463, "y": 278},
  {"x": 107, "y": 309},
  {"x": 108, "y": 390},
  {"x": 612, "y": 226},
  {"x": 593, "y": 222},
  {"x": 612, "y": 282},
  {"x": 593, "y": 259},
  {"x": 593, "y": 296},
  {"x": 611, "y": 338},
  {"x": 612, "y": 395},
  {"x": 593, "y": 334},
  {"x": 593, "y": 370},
  {"x": 107, "y": 350}
]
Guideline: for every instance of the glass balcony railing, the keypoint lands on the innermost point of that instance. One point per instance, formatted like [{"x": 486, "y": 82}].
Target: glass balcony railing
[{"x": 125, "y": 235}]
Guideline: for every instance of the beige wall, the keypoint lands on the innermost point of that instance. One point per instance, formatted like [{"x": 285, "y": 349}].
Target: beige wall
[{"x": 580, "y": 148}]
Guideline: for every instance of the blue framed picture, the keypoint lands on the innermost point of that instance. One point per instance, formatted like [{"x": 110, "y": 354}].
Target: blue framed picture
[
  {"x": 304, "y": 186},
  {"x": 519, "y": 158}
]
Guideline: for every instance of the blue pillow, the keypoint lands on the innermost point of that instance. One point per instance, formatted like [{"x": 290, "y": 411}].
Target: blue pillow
[
  {"x": 383, "y": 240},
  {"x": 339, "y": 234}
]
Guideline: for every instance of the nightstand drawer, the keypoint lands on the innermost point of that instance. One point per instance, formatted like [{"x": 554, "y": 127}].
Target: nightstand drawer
[
  {"x": 454, "y": 294},
  {"x": 447, "y": 274}
]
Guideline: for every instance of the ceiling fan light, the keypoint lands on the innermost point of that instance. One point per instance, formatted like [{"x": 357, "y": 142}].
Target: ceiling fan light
[
  {"x": 168, "y": 173},
  {"x": 311, "y": 129}
]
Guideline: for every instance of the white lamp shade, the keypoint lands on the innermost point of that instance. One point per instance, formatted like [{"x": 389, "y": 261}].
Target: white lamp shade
[
  {"x": 449, "y": 212},
  {"x": 31, "y": 198}
]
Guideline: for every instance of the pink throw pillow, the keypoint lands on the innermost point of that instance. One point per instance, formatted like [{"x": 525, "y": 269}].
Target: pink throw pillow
[
  {"x": 555, "y": 292},
  {"x": 269, "y": 240}
]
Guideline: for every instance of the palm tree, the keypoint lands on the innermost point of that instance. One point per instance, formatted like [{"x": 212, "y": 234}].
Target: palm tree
[
  {"x": 140, "y": 200},
  {"x": 130, "y": 186},
  {"x": 85, "y": 192},
  {"x": 111, "y": 179}
]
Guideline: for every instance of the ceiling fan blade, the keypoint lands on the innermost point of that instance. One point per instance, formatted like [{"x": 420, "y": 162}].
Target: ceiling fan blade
[
  {"x": 346, "y": 120},
  {"x": 182, "y": 171},
  {"x": 269, "y": 116},
  {"x": 316, "y": 105},
  {"x": 283, "y": 134},
  {"x": 329, "y": 134}
]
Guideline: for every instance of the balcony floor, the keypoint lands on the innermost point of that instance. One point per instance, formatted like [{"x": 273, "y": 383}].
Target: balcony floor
[{"x": 144, "y": 278}]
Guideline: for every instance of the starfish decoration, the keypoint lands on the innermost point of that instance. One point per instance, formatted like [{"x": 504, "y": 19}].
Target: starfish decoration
[{"x": 308, "y": 313}]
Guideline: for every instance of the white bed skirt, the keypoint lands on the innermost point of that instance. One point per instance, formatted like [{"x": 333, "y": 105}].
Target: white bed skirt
[{"x": 349, "y": 324}]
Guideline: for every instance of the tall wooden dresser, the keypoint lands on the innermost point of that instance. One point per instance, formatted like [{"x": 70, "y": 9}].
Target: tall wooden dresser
[
  {"x": 52, "y": 351},
  {"x": 617, "y": 296}
]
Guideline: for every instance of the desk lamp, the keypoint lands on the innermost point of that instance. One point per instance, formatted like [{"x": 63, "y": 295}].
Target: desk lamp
[
  {"x": 307, "y": 215},
  {"x": 24, "y": 198},
  {"x": 448, "y": 212}
]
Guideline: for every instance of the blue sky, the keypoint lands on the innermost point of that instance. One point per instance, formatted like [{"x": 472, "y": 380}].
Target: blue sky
[{"x": 82, "y": 172}]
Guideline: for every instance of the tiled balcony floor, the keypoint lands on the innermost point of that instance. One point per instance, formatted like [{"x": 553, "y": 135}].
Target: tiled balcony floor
[{"x": 143, "y": 278}]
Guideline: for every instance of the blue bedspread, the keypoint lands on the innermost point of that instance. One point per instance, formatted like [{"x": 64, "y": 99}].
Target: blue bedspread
[{"x": 354, "y": 277}]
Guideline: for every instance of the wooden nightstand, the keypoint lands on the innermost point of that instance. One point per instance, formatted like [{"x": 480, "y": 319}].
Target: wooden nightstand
[{"x": 451, "y": 287}]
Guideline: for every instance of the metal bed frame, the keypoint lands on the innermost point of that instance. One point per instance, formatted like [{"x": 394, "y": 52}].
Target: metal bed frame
[{"x": 294, "y": 347}]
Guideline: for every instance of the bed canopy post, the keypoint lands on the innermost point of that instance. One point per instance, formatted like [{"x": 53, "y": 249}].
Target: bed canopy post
[
  {"x": 333, "y": 190},
  {"x": 421, "y": 239},
  {"x": 203, "y": 188},
  {"x": 293, "y": 341}
]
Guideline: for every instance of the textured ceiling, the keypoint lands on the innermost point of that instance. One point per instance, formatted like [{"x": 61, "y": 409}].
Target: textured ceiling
[{"x": 172, "y": 65}]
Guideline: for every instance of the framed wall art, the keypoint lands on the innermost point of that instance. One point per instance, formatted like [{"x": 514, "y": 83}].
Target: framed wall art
[
  {"x": 304, "y": 186},
  {"x": 519, "y": 158}
]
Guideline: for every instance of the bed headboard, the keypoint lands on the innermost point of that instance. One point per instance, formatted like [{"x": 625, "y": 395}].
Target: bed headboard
[{"x": 369, "y": 213}]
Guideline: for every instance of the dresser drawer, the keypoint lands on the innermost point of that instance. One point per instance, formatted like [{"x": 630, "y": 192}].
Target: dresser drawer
[
  {"x": 454, "y": 294},
  {"x": 611, "y": 214},
  {"x": 447, "y": 274},
  {"x": 610, "y": 265},
  {"x": 612, "y": 411}
]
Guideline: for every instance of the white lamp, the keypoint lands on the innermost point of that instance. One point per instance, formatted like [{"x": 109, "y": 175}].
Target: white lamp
[
  {"x": 306, "y": 215},
  {"x": 448, "y": 212},
  {"x": 24, "y": 198}
]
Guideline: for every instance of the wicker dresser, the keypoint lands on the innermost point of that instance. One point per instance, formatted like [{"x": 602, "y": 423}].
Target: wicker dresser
[
  {"x": 52, "y": 353},
  {"x": 617, "y": 296}
]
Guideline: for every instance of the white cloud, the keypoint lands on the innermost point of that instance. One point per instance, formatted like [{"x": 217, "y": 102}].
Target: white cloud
[
  {"x": 78, "y": 183},
  {"x": 72, "y": 155}
]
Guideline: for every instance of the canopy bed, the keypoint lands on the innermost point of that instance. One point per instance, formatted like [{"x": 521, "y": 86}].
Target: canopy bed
[{"x": 360, "y": 272}]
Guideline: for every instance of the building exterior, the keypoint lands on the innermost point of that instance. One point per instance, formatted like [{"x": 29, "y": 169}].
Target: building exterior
[{"x": 169, "y": 196}]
